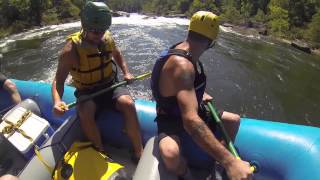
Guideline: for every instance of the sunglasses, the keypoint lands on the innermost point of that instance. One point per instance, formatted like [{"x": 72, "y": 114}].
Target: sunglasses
[{"x": 96, "y": 31}]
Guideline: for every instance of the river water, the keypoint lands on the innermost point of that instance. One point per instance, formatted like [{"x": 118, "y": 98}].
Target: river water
[{"x": 249, "y": 75}]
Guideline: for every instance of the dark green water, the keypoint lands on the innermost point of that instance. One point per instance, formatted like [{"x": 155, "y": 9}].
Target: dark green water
[{"x": 254, "y": 77}]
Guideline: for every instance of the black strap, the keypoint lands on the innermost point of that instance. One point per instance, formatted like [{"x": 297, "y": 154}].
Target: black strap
[
  {"x": 100, "y": 54},
  {"x": 102, "y": 49},
  {"x": 102, "y": 66},
  {"x": 180, "y": 52},
  {"x": 104, "y": 82},
  {"x": 185, "y": 54}
]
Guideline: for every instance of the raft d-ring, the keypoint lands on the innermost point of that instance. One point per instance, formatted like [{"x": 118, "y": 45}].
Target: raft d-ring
[{"x": 256, "y": 166}]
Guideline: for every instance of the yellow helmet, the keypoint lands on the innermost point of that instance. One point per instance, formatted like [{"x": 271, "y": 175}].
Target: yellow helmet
[{"x": 205, "y": 23}]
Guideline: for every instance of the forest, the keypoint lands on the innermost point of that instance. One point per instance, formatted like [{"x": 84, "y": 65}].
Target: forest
[{"x": 289, "y": 19}]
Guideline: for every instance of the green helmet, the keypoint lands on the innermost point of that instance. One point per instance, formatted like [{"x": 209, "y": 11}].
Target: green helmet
[{"x": 95, "y": 16}]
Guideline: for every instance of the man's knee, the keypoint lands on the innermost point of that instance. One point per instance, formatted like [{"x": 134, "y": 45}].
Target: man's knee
[
  {"x": 10, "y": 86},
  {"x": 125, "y": 101},
  {"x": 9, "y": 177},
  {"x": 170, "y": 152},
  {"x": 86, "y": 110},
  {"x": 230, "y": 117},
  {"x": 170, "y": 155}
]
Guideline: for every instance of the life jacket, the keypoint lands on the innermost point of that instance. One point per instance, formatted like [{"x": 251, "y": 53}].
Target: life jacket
[
  {"x": 95, "y": 63},
  {"x": 83, "y": 162},
  {"x": 169, "y": 105}
]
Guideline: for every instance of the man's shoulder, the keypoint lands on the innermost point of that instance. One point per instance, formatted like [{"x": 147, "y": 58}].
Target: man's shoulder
[
  {"x": 180, "y": 63},
  {"x": 69, "y": 52},
  {"x": 181, "y": 69},
  {"x": 69, "y": 47}
]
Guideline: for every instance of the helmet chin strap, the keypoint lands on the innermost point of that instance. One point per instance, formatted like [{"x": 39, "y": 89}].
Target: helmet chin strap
[{"x": 83, "y": 33}]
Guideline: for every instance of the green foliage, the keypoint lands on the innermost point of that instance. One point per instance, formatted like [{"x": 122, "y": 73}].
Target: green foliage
[
  {"x": 125, "y": 5},
  {"x": 232, "y": 15},
  {"x": 314, "y": 30},
  {"x": 183, "y": 5},
  {"x": 260, "y": 17},
  {"x": 278, "y": 21},
  {"x": 79, "y": 3},
  {"x": 68, "y": 10},
  {"x": 202, "y": 5},
  {"x": 246, "y": 8},
  {"x": 279, "y": 27},
  {"x": 50, "y": 17},
  {"x": 18, "y": 26},
  {"x": 280, "y": 3},
  {"x": 300, "y": 12},
  {"x": 296, "y": 33},
  {"x": 284, "y": 18}
]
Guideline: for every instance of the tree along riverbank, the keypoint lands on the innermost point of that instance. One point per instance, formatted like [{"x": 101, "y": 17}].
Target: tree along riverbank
[
  {"x": 284, "y": 19},
  {"x": 246, "y": 30}
]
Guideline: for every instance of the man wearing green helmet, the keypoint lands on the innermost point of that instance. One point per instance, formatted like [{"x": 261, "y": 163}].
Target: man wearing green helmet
[
  {"x": 178, "y": 85},
  {"x": 88, "y": 56}
]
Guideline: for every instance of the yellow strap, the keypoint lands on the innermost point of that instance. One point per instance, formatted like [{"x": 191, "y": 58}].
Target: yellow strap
[
  {"x": 11, "y": 128},
  {"x": 49, "y": 168}
]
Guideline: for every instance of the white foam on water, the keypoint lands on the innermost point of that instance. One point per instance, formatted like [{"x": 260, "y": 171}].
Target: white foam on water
[
  {"x": 134, "y": 19},
  {"x": 230, "y": 30},
  {"x": 143, "y": 20}
]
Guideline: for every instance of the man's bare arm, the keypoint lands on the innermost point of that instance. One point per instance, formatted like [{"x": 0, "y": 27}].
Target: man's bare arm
[
  {"x": 194, "y": 125},
  {"x": 116, "y": 53},
  {"x": 67, "y": 58}
]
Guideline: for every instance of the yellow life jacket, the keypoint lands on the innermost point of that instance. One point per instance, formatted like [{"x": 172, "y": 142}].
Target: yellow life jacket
[
  {"x": 83, "y": 162},
  {"x": 95, "y": 64}
]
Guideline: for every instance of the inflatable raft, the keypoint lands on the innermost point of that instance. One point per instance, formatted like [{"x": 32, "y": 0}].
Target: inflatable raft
[{"x": 279, "y": 150}]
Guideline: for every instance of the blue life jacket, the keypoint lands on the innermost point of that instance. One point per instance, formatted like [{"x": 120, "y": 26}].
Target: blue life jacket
[{"x": 169, "y": 105}]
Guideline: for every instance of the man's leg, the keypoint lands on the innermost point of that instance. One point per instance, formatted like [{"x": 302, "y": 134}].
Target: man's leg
[
  {"x": 125, "y": 105},
  {"x": 12, "y": 89},
  {"x": 171, "y": 156},
  {"x": 86, "y": 111},
  {"x": 231, "y": 122}
]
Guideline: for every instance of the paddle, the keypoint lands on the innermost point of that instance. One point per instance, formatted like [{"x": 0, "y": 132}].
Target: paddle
[
  {"x": 226, "y": 137},
  {"x": 121, "y": 83}
]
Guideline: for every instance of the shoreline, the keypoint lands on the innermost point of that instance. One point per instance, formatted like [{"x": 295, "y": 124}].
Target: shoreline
[
  {"x": 260, "y": 32},
  {"x": 238, "y": 29}
]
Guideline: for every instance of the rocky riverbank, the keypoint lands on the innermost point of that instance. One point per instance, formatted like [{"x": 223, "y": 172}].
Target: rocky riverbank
[{"x": 262, "y": 31}]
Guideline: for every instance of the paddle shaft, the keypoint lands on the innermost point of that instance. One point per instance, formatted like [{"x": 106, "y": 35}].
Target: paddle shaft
[
  {"x": 224, "y": 132},
  {"x": 80, "y": 100},
  {"x": 226, "y": 137}
]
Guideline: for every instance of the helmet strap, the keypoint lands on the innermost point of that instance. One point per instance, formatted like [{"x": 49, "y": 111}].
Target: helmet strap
[{"x": 83, "y": 33}]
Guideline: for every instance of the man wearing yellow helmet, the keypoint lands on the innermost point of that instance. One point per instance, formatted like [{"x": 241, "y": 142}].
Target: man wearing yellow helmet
[
  {"x": 88, "y": 56},
  {"x": 179, "y": 88}
]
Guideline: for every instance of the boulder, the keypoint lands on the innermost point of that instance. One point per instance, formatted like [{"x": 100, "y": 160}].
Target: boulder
[
  {"x": 301, "y": 46},
  {"x": 227, "y": 25},
  {"x": 120, "y": 13},
  {"x": 176, "y": 16},
  {"x": 263, "y": 31}
]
